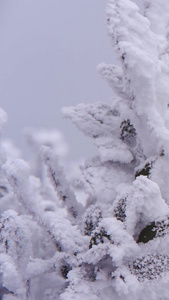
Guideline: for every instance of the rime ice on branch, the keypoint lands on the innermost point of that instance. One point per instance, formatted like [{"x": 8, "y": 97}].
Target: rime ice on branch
[
  {"x": 129, "y": 179},
  {"x": 115, "y": 246}
]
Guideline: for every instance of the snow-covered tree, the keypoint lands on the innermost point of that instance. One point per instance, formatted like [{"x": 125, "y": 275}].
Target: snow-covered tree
[{"x": 103, "y": 234}]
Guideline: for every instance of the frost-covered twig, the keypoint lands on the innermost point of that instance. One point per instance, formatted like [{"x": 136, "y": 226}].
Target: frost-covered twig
[
  {"x": 115, "y": 78},
  {"x": 60, "y": 229},
  {"x": 60, "y": 182}
]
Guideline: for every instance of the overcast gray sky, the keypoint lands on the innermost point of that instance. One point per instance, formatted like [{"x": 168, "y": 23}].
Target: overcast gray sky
[{"x": 49, "y": 51}]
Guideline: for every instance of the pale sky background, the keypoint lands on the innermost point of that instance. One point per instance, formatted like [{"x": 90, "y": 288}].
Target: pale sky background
[{"x": 49, "y": 52}]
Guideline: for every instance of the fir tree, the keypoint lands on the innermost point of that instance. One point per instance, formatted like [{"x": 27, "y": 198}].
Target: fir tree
[{"x": 104, "y": 234}]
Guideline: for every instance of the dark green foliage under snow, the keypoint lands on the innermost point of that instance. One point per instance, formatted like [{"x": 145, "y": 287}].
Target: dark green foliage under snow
[
  {"x": 99, "y": 236},
  {"x": 120, "y": 210},
  {"x": 149, "y": 267},
  {"x": 145, "y": 171},
  {"x": 154, "y": 230},
  {"x": 128, "y": 132},
  {"x": 65, "y": 268},
  {"x": 92, "y": 218}
]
